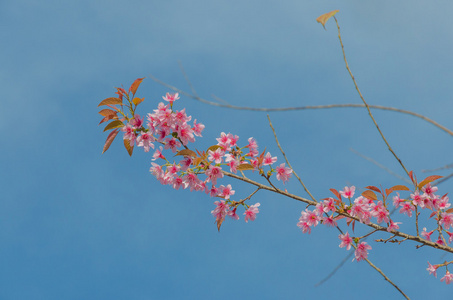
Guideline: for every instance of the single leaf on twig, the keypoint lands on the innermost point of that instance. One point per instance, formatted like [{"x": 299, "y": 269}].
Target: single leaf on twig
[
  {"x": 219, "y": 223},
  {"x": 243, "y": 167},
  {"x": 127, "y": 145},
  {"x": 186, "y": 152},
  {"x": 107, "y": 112},
  {"x": 111, "y": 100},
  {"x": 428, "y": 179},
  {"x": 135, "y": 85},
  {"x": 399, "y": 188},
  {"x": 114, "y": 124},
  {"x": 110, "y": 139},
  {"x": 325, "y": 17},
  {"x": 373, "y": 188},
  {"x": 213, "y": 148},
  {"x": 137, "y": 100},
  {"x": 336, "y": 193},
  {"x": 109, "y": 117},
  {"x": 369, "y": 195}
]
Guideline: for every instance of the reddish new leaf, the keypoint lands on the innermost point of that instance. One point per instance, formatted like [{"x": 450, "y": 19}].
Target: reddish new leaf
[
  {"x": 135, "y": 85},
  {"x": 127, "y": 145},
  {"x": 399, "y": 188},
  {"x": 432, "y": 214},
  {"x": 369, "y": 195},
  {"x": 186, "y": 152},
  {"x": 111, "y": 101},
  {"x": 388, "y": 191},
  {"x": 213, "y": 148},
  {"x": 107, "y": 112},
  {"x": 113, "y": 125},
  {"x": 373, "y": 188},
  {"x": 110, "y": 139},
  {"x": 243, "y": 167},
  {"x": 336, "y": 193},
  {"x": 428, "y": 180},
  {"x": 219, "y": 223},
  {"x": 450, "y": 210},
  {"x": 109, "y": 117},
  {"x": 137, "y": 100},
  {"x": 325, "y": 17}
]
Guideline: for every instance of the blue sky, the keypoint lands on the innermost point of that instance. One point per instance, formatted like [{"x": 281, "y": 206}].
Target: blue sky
[{"x": 75, "y": 224}]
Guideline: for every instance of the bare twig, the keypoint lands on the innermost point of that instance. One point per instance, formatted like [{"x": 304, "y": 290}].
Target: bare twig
[
  {"x": 381, "y": 166},
  {"x": 364, "y": 102},
  {"x": 286, "y": 159},
  {"x": 283, "y": 109}
]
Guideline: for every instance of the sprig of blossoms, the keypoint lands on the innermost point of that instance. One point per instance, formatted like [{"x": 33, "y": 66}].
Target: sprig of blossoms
[{"x": 196, "y": 171}]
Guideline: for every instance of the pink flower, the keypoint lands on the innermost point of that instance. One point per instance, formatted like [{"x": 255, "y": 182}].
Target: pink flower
[
  {"x": 171, "y": 97},
  {"x": 348, "y": 192},
  {"x": 172, "y": 144},
  {"x": 329, "y": 221},
  {"x": 226, "y": 191},
  {"x": 380, "y": 212},
  {"x": 185, "y": 133},
  {"x": 417, "y": 199},
  {"x": 393, "y": 226},
  {"x": 129, "y": 134},
  {"x": 397, "y": 200},
  {"x": 197, "y": 128},
  {"x": 426, "y": 235},
  {"x": 145, "y": 140},
  {"x": 446, "y": 220},
  {"x": 329, "y": 205},
  {"x": 213, "y": 173},
  {"x": 251, "y": 212},
  {"x": 429, "y": 190},
  {"x": 361, "y": 252},
  {"x": 283, "y": 173},
  {"x": 432, "y": 269},
  {"x": 268, "y": 160},
  {"x": 346, "y": 241},
  {"x": 232, "y": 214},
  {"x": 136, "y": 122},
  {"x": 232, "y": 162},
  {"x": 447, "y": 278},
  {"x": 185, "y": 163},
  {"x": 158, "y": 154},
  {"x": 253, "y": 147},
  {"x": 221, "y": 210},
  {"x": 407, "y": 208},
  {"x": 450, "y": 237},
  {"x": 216, "y": 155}
]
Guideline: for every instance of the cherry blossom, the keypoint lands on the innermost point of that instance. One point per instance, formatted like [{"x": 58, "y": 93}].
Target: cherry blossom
[{"x": 250, "y": 213}]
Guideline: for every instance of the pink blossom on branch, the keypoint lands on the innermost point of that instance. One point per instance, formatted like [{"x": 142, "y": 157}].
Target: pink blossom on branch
[
  {"x": 346, "y": 241},
  {"x": 448, "y": 278},
  {"x": 250, "y": 213},
  {"x": 348, "y": 192},
  {"x": 171, "y": 97},
  {"x": 283, "y": 173},
  {"x": 361, "y": 252}
]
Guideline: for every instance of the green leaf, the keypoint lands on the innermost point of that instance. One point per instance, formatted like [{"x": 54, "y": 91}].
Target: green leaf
[{"x": 114, "y": 124}]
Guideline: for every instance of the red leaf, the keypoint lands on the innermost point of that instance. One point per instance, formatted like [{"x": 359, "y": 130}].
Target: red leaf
[
  {"x": 369, "y": 195},
  {"x": 336, "y": 193},
  {"x": 107, "y": 112},
  {"x": 129, "y": 148},
  {"x": 219, "y": 223},
  {"x": 243, "y": 167},
  {"x": 388, "y": 191},
  {"x": 109, "y": 117},
  {"x": 137, "y": 100},
  {"x": 114, "y": 124},
  {"x": 110, "y": 139},
  {"x": 428, "y": 180},
  {"x": 450, "y": 210},
  {"x": 353, "y": 225},
  {"x": 323, "y": 18},
  {"x": 186, "y": 152},
  {"x": 135, "y": 85},
  {"x": 399, "y": 188},
  {"x": 373, "y": 188},
  {"x": 111, "y": 100},
  {"x": 432, "y": 214}
]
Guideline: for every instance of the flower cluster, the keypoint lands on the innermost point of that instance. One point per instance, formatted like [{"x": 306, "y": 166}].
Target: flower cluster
[
  {"x": 171, "y": 130},
  {"x": 366, "y": 208}
]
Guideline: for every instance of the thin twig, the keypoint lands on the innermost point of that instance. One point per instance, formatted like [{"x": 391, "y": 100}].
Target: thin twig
[
  {"x": 283, "y": 109},
  {"x": 370, "y": 224},
  {"x": 449, "y": 166},
  {"x": 381, "y": 166},
  {"x": 366, "y": 104},
  {"x": 286, "y": 159}
]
